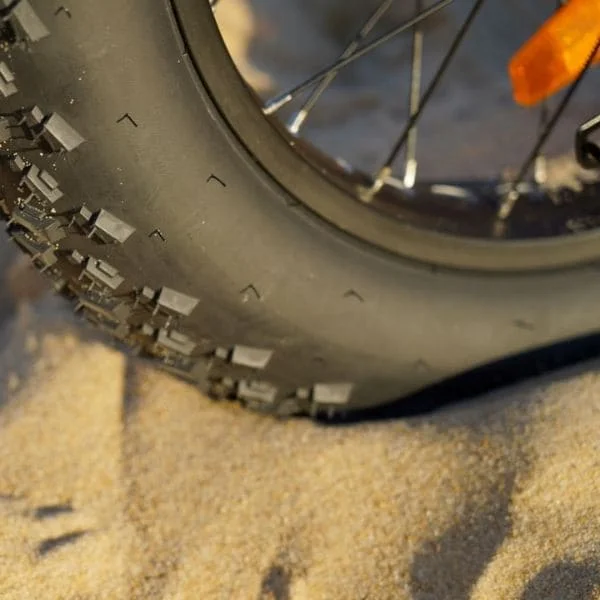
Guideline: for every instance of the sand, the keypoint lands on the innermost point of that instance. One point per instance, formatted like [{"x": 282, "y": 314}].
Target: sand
[
  {"x": 120, "y": 482},
  {"x": 117, "y": 481}
]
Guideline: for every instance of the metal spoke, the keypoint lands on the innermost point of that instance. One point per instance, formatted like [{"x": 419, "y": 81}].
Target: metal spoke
[
  {"x": 302, "y": 114},
  {"x": 277, "y": 102},
  {"x": 386, "y": 170},
  {"x": 414, "y": 99},
  {"x": 511, "y": 198},
  {"x": 539, "y": 168}
]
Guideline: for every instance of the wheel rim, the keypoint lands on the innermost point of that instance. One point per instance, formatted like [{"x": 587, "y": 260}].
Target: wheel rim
[{"x": 454, "y": 234}]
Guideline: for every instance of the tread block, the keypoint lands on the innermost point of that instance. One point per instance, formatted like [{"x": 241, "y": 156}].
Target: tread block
[
  {"x": 52, "y": 129},
  {"x": 17, "y": 163},
  {"x": 257, "y": 392},
  {"x": 37, "y": 222},
  {"x": 102, "y": 225},
  {"x": 190, "y": 370},
  {"x": 24, "y": 19},
  {"x": 7, "y": 81},
  {"x": 107, "y": 313},
  {"x": 76, "y": 258},
  {"x": 222, "y": 354},
  {"x": 244, "y": 356},
  {"x": 34, "y": 116},
  {"x": 171, "y": 302},
  {"x": 31, "y": 118},
  {"x": 42, "y": 253},
  {"x": 41, "y": 184},
  {"x": 100, "y": 272},
  {"x": 59, "y": 134},
  {"x": 303, "y": 394},
  {"x": 332, "y": 393},
  {"x": 81, "y": 217},
  {"x": 175, "y": 341},
  {"x": 114, "y": 308},
  {"x": 172, "y": 348},
  {"x": 255, "y": 358},
  {"x": 179, "y": 364},
  {"x": 144, "y": 296}
]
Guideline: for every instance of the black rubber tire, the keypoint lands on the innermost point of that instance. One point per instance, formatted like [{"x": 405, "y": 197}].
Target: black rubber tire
[{"x": 170, "y": 235}]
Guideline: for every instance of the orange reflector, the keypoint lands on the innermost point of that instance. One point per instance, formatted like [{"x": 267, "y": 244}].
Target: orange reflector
[{"x": 556, "y": 53}]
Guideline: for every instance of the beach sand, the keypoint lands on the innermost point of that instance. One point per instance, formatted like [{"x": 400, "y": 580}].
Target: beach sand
[
  {"x": 117, "y": 481},
  {"x": 120, "y": 482}
]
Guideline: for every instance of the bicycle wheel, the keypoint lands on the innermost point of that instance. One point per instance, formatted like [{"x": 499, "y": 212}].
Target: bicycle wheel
[{"x": 142, "y": 175}]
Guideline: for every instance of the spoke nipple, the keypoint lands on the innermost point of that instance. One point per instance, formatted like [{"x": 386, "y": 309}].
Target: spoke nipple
[
  {"x": 540, "y": 170},
  {"x": 366, "y": 193},
  {"x": 410, "y": 173},
  {"x": 297, "y": 122},
  {"x": 508, "y": 204},
  {"x": 276, "y": 103}
]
